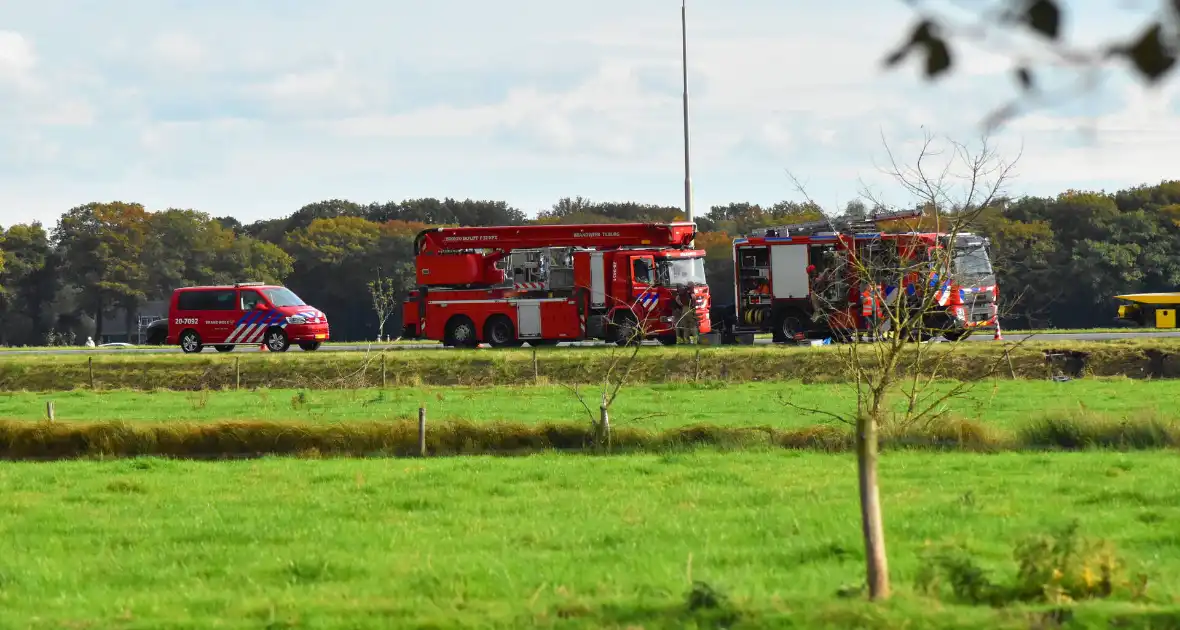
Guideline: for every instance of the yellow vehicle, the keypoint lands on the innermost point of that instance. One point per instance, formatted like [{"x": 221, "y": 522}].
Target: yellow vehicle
[{"x": 1150, "y": 310}]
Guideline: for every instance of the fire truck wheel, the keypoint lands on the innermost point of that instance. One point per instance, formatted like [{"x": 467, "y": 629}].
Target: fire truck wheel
[
  {"x": 276, "y": 340},
  {"x": 224, "y": 348},
  {"x": 460, "y": 332},
  {"x": 499, "y": 332},
  {"x": 190, "y": 341},
  {"x": 786, "y": 326},
  {"x": 626, "y": 329},
  {"x": 956, "y": 335}
]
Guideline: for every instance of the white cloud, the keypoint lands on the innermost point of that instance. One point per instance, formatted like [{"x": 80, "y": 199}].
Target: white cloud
[
  {"x": 17, "y": 59},
  {"x": 178, "y": 51},
  {"x": 525, "y": 101}
]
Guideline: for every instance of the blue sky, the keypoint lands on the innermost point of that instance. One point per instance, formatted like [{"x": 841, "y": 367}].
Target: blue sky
[{"x": 256, "y": 108}]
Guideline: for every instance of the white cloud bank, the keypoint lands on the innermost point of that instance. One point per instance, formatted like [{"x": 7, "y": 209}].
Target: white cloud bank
[{"x": 250, "y": 111}]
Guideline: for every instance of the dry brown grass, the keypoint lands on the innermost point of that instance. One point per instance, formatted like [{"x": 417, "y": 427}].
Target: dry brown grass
[{"x": 47, "y": 441}]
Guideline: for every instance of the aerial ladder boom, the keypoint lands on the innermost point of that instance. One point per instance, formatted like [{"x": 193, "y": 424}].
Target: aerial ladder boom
[
  {"x": 839, "y": 225},
  {"x": 467, "y": 256},
  {"x": 597, "y": 236}
]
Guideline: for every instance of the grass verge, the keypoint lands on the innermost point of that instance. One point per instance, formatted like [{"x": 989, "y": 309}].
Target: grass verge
[
  {"x": 750, "y": 540},
  {"x": 47, "y": 441},
  {"x": 1132, "y": 358}
]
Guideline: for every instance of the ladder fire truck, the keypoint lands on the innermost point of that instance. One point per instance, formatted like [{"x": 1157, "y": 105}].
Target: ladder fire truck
[
  {"x": 800, "y": 282},
  {"x": 550, "y": 283}
]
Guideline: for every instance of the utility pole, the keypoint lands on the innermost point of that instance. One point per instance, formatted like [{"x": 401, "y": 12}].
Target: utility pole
[{"x": 684, "y": 68}]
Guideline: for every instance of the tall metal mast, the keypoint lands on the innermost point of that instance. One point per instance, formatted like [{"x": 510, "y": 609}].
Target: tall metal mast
[{"x": 684, "y": 67}]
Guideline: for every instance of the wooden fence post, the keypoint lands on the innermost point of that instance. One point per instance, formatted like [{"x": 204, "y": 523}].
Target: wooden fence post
[
  {"x": 237, "y": 373},
  {"x": 50, "y": 413},
  {"x": 422, "y": 431},
  {"x": 90, "y": 367},
  {"x": 536, "y": 369},
  {"x": 383, "y": 368}
]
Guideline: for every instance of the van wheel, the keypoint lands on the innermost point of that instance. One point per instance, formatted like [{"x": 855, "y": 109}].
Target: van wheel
[
  {"x": 310, "y": 346},
  {"x": 276, "y": 340},
  {"x": 190, "y": 342},
  {"x": 460, "y": 333},
  {"x": 499, "y": 332},
  {"x": 224, "y": 348}
]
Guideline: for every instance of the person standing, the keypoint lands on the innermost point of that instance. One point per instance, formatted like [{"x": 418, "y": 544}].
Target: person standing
[{"x": 687, "y": 328}]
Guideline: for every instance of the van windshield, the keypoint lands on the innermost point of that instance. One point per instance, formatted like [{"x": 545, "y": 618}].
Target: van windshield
[{"x": 283, "y": 297}]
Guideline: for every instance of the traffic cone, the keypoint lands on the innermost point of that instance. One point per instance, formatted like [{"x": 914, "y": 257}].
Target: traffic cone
[
  {"x": 999, "y": 336},
  {"x": 263, "y": 348}
]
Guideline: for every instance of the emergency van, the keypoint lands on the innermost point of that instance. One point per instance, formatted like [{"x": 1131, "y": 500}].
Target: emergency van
[{"x": 246, "y": 313}]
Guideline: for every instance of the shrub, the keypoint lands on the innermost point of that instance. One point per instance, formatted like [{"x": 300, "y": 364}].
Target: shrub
[
  {"x": 1051, "y": 569},
  {"x": 1089, "y": 430}
]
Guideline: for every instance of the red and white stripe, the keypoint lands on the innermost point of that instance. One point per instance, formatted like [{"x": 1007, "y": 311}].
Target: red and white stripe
[
  {"x": 529, "y": 286},
  {"x": 582, "y": 323}
]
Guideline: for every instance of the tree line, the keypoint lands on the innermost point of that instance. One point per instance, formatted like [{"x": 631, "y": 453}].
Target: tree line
[{"x": 1059, "y": 259}]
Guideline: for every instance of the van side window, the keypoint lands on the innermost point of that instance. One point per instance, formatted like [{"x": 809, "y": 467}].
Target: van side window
[
  {"x": 192, "y": 301},
  {"x": 223, "y": 300},
  {"x": 250, "y": 299}
]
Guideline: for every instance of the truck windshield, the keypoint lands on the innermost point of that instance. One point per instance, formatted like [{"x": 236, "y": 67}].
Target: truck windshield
[
  {"x": 283, "y": 297},
  {"x": 972, "y": 261},
  {"x": 681, "y": 271}
]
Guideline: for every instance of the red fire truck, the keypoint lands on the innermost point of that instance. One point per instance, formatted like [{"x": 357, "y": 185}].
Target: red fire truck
[
  {"x": 799, "y": 281},
  {"x": 550, "y": 283}
]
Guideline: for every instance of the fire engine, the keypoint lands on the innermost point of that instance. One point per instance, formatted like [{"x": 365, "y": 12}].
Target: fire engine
[
  {"x": 799, "y": 282},
  {"x": 550, "y": 283}
]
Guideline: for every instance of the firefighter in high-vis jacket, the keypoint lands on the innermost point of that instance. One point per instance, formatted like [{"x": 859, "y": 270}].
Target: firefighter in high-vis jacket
[{"x": 870, "y": 309}]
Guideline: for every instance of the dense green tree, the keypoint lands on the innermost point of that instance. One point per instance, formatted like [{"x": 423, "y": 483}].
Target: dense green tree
[
  {"x": 27, "y": 281},
  {"x": 102, "y": 247},
  {"x": 335, "y": 259},
  {"x": 1059, "y": 260}
]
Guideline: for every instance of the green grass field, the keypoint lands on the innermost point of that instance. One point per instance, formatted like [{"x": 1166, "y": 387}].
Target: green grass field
[
  {"x": 1003, "y": 404},
  {"x": 553, "y": 541}
]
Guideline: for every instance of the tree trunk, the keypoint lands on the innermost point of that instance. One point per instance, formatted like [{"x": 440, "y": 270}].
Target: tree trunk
[
  {"x": 877, "y": 566},
  {"x": 130, "y": 315},
  {"x": 604, "y": 423},
  {"x": 98, "y": 321}
]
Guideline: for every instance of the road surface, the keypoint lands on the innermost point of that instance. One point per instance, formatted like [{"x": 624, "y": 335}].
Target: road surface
[{"x": 360, "y": 347}]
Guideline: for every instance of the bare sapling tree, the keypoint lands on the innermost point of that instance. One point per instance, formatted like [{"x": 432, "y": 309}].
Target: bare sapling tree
[
  {"x": 630, "y": 326},
  {"x": 383, "y": 291},
  {"x": 903, "y": 277}
]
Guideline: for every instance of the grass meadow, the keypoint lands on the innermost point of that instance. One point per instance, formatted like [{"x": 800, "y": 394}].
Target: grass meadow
[
  {"x": 1001, "y": 404},
  {"x": 564, "y": 541},
  {"x": 655, "y": 536}
]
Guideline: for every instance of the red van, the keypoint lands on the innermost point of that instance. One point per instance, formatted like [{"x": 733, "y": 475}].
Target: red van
[{"x": 248, "y": 314}]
